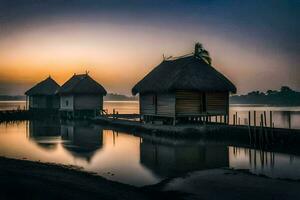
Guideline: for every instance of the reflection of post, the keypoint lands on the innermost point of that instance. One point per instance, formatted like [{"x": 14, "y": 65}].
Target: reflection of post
[
  {"x": 250, "y": 157},
  {"x": 27, "y": 124},
  {"x": 114, "y": 139},
  {"x": 254, "y": 159}
]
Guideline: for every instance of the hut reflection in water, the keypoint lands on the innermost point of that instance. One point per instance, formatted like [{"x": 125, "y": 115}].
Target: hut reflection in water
[
  {"x": 81, "y": 140},
  {"x": 172, "y": 158},
  {"x": 44, "y": 133}
]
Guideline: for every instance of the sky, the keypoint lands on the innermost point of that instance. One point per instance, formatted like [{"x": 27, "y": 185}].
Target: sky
[{"x": 255, "y": 43}]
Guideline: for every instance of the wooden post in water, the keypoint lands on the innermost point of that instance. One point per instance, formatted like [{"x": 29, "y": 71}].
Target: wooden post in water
[
  {"x": 249, "y": 118},
  {"x": 233, "y": 119},
  {"x": 271, "y": 118},
  {"x": 265, "y": 118},
  {"x": 289, "y": 119},
  {"x": 254, "y": 117},
  {"x": 261, "y": 130}
]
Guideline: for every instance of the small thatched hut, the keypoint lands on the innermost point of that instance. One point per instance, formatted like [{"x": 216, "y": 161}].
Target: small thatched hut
[
  {"x": 81, "y": 96},
  {"x": 184, "y": 88},
  {"x": 43, "y": 96}
]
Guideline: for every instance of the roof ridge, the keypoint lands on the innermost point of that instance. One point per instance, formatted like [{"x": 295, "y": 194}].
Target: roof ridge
[{"x": 74, "y": 86}]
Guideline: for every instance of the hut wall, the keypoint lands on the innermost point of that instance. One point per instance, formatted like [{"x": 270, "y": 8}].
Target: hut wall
[
  {"x": 189, "y": 103},
  {"x": 38, "y": 102},
  {"x": 67, "y": 132},
  {"x": 66, "y": 102},
  {"x": 147, "y": 104},
  {"x": 55, "y": 102},
  {"x": 166, "y": 105},
  {"x": 88, "y": 102},
  {"x": 217, "y": 102}
]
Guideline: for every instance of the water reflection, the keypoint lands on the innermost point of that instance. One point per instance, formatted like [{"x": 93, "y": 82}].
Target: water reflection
[
  {"x": 81, "y": 140},
  {"x": 44, "y": 133},
  {"x": 173, "y": 158},
  {"x": 137, "y": 160},
  {"x": 273, "y": 164}
]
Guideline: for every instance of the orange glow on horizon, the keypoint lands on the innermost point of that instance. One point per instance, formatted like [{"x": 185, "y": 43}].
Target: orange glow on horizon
[{"x": 118, "y": 56}]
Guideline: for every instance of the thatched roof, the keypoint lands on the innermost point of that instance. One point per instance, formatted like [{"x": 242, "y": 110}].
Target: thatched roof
[
  {"x": 82, "y": 84},
  {"x": 188, "y": 73},
  {"x": 46, "y": 87}
]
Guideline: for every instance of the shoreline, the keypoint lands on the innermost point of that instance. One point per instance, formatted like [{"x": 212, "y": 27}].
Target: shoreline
[{"x": 37, "y": 180}]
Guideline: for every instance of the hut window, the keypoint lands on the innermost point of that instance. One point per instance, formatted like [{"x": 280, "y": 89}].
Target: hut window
[{"x": 67, "y": 103}]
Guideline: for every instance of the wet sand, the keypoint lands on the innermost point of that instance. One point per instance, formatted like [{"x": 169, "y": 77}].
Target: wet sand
[
  {"x": 20, "y": 179},
  {"x": 232, "y": 185}
]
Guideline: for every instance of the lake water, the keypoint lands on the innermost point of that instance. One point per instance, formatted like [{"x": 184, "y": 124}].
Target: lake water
[
  {"x": 283, "y": 117},
  {"x": 139, "y": 159},
  {"x": 132, "y": 159}
]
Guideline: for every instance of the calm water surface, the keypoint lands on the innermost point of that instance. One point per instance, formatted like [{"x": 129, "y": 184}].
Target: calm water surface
[
  {"x": 283, "y": 117},
  {"x": 140, "y": 160},
  {"x": 135, "y": 160}
]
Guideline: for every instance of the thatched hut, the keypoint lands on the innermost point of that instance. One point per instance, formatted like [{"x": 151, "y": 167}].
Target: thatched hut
[
  {"x": 43, "y": 97},
  {"x": 81, "y": 96},
  {"x": 183, "y": 89}
]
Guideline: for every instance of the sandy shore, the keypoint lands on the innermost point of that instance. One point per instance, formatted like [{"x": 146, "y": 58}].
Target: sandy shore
[{"x": 20, "y": 179}]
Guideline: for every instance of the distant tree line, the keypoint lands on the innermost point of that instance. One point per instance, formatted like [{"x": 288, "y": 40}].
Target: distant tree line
[
  {"x": 285, "y": 97},
  {"x": 12, "y": 98},
  {"x": 119, "y": 97},
  {"x": 108, "y": 97}
]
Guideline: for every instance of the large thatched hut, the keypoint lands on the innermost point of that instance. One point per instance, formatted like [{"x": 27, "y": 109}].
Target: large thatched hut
[
  {"x": 81, "y": 96},
  {"x": 42, "y": 96},
  {"x": 183, "y": 89}
]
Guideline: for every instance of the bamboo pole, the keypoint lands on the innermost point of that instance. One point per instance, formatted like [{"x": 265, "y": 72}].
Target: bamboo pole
[
  {"x": 249, "y": 118},
  {"x": 233, "y": 119},
  {"x": 289, "y": 118},
  {"x": 265, "y": 118},
  {"x": 271, "y": 118},
  {"x": 254, "y": 118}
]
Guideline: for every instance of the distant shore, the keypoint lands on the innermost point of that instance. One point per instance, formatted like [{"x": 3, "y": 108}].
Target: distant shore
[{"x": 35, "y": 180}]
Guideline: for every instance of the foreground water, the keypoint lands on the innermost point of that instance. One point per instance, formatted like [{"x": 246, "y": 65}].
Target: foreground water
[
  {"x": 141, "y": 160},
  {"x": 134, "y": 159}
]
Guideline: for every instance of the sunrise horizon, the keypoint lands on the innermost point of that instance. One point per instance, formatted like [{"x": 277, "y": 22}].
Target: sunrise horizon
[{"x": 118, "y": 45}]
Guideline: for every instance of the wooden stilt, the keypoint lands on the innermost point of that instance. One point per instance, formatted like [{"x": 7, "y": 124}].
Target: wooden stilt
[
  {"x": 271, "y": 118},
  {"x": 254, "y": 118},
  {"x": 265, "y": 118},
  {"x": 249, "y": 118}
]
